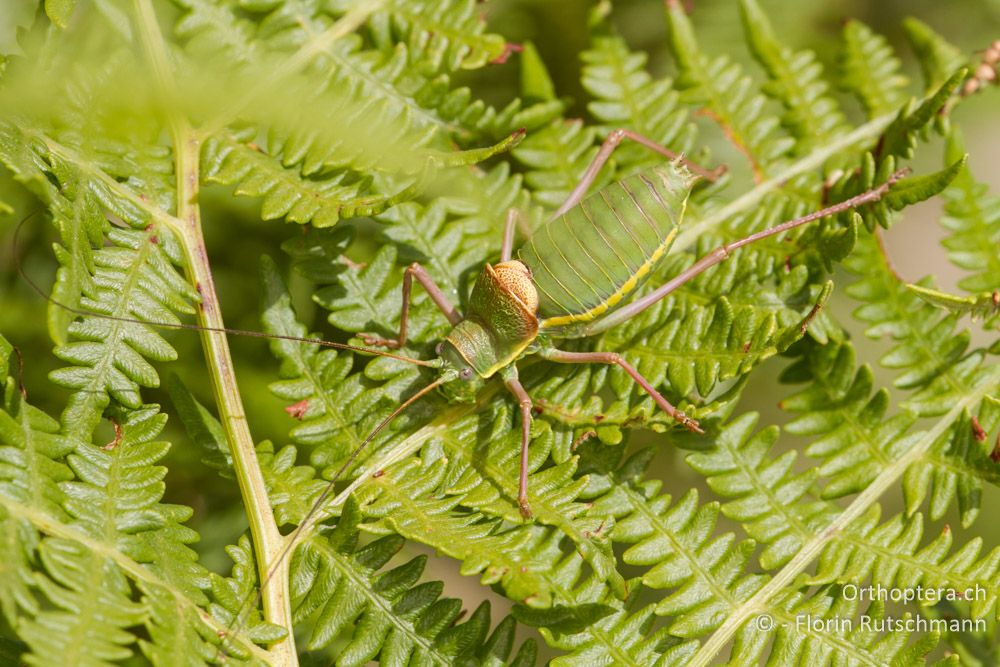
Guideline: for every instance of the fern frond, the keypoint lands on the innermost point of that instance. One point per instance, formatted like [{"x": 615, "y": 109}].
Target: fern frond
[
  {"x": 822, "y": 629},
  {"x": 856, "y": 438},
  {"x": 339, "y": 584},
  {"x": 972, "y": 218},
  {"x": 870, "y": 70},
  {"x": 768, "y": 496},
  {"x": 938, "y": 58},
  {"x": 556, "y": 157},
  {"x": 415, "y": 506},
  {"x": 718, "y": 326},
  {"x": 88, "y": 520},
  {"x": 484, "y": 479},
  {"x": 984, "y": 305},
  {"x": 891, "y": 555},
  {"x": 676, "y": 542},
  {"x": 134, "y": 278},
  {"x": 928, "y": 345},
  {"x": 446, "y": 35},
  {"x": 594, "y": 627},
  {"x": 625, "y": 95},
  {"x": 335, "y": 407},
  {"x": 812, "y": 116},
  {"x": 727, "y": 95}
]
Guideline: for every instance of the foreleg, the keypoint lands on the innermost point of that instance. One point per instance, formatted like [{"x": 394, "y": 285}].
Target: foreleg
[{"x": 417, "y": 271}]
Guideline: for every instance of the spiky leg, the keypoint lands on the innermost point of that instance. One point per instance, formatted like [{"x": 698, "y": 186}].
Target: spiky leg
[
  {"x": 723, "y": 252},
  {"x": 524, "y": 401},
  {"x": 608, "y": 147},
  {"x": 614, "y": 358},
  {"x": 417, "y": 271}
]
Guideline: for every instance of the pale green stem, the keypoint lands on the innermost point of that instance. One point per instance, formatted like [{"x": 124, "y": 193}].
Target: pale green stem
[
  {"x": 888, "y": 478},
  {"x": 267, "y": 540}
]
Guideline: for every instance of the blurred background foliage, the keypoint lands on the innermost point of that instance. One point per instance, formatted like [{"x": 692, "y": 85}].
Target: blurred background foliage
[{"x": 236, "y": 236}]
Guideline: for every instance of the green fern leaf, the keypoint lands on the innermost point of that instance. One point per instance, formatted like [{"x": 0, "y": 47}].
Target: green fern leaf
[
  {"x": 811, "y": 115},
  {"x": 393, "y": 616},
  {"x": 625, "y": 95},
  {"x": 972, "y": 216},
  {"x": 727, "y": 95},
  {"x": 870, "y": 71},
  {"x": 938, "y": 58}
]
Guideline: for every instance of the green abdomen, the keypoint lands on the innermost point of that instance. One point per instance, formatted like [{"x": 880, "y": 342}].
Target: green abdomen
[{"x": 584, "y": 262}]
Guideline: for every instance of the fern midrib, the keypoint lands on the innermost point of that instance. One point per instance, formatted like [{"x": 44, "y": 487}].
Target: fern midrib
[
  {"x": 639, "y": 502},
  {"x": 97, "y": 388},
  {"x": 349, "y": 570},
  {"x": 52, "y": 526},
  {"x": 811, "y": 549},
  {"x": 850, "y": 417},
  {"x": 957, "y": 580}
]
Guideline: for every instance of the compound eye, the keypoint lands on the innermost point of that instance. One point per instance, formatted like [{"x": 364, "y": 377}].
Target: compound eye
[{"x": 465, "y": 374}]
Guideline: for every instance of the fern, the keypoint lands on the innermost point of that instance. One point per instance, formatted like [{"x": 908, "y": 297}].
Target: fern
[{"x": 388, "y": 133}]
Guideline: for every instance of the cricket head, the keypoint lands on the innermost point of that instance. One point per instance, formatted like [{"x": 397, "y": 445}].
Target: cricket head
[{"x": 461, "y": 380}]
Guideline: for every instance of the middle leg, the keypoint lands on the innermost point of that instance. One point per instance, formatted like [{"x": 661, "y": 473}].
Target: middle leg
[
  {"x": 437, "y": 295},
  {"x": 524, "y": 401},
  {"x": 614, "y": 358},
  {"x": 609, "y": 146}
]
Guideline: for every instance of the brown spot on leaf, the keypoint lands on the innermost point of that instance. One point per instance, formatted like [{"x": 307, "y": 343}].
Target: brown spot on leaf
[
  {"x": 977, "y": 430},
  {"x": 118, "y": 437},
  {"x": 583, "y": 437},
  {"x": 298, "y": 410},
  {"x": 508, "y": 48}
]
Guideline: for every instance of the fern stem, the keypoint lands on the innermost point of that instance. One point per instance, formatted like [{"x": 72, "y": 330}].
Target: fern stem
[
  {"x": 267, "y": 540},
  {"x": 757, "y": 604}
]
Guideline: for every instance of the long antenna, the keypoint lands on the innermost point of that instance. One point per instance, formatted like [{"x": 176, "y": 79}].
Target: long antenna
[
  {"x": 294, "y": 537},
  {"x": 197, "y": 327}
]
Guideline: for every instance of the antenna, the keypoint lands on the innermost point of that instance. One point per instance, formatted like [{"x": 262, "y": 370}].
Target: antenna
[{"x": 83, "y": 312}]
